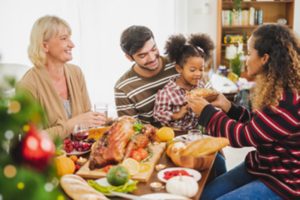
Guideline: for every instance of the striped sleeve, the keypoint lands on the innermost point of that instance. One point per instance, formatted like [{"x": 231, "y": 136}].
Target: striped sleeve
[
  {"x": 264, "y": 127},
  {"x": 162, "y": 108},
  {"x": 239, "y": 113},
  {"x": 123, "y": 104}
]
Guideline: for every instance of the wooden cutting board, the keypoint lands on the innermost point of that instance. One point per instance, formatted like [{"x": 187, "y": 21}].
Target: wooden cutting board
[{"x": 157, "y": 149}]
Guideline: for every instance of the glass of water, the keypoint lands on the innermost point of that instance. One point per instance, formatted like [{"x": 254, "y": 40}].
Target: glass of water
[
  {"x": 101, "y": 108},
  {"x": 194, "y": 134}
]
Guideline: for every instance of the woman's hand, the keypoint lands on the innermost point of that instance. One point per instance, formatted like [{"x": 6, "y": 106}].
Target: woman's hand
[
  {"x": 180, "y": 114},
  {"x": 222, "y": 102},
  {"x": 197, "y": 104},
  {"x": 89, "y": 119}
]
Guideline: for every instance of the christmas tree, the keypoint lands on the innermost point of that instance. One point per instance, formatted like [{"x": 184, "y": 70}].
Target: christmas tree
[{"x": 26, "y": 153}]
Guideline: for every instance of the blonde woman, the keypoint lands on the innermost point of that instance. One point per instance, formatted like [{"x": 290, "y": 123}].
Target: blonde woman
[
  {"x": 271, "y": 171},
  {"x": 58, "y": 86}
]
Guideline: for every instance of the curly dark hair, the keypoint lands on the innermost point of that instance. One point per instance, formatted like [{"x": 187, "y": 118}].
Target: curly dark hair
[
  {"x": 134, "y": 37},
  {"x": 282, "y": 70},
  {"x": 179, "y": 49}
]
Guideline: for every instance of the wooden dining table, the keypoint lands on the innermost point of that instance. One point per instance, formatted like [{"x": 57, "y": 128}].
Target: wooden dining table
[{"x": 144, "y": 187}]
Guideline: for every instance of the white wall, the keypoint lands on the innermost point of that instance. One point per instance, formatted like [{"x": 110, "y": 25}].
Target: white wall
[
  {"x": 297, "y": 17},
  {"x": 96, "y": 25}
]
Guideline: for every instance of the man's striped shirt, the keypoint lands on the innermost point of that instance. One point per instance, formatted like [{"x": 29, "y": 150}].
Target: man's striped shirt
[{"x": 135, "y": 95}]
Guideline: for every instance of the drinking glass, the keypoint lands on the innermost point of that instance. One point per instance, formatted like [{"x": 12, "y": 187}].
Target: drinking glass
[
  {"x": 194, "y": 134},
  {"x": 80, "y": 132},
  {"x": 101, "y": 108}
]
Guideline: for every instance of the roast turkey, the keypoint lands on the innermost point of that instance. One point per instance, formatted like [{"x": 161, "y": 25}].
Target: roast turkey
[{"x": 118, "y": 142}]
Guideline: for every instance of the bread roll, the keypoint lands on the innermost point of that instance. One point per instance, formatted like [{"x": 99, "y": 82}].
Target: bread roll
[
  {"x": 197, "y": 154},
  {"x": 205, "y": 146},
  {"x": 77, "y": 188},
  {"x": 206, "y": 93}
]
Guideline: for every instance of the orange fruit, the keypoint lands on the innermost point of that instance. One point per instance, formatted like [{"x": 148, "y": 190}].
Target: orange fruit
[
  {"x": 165, "y": 134},
  {"x": 64, "y": 165}
]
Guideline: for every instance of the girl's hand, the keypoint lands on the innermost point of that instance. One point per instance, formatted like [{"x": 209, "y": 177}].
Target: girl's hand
[
  {"x": 222, "y": 102},
  {"x": 180, "y": 114},
  {"x": 197, "y": 104}
]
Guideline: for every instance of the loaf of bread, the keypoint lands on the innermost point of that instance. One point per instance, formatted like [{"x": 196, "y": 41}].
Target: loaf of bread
[
  {"x": 197, "y": 154},
  {"x": 206, "y": 93},
  {"x": 78, "y": 189},
  {"x": 205, "y": 146}
]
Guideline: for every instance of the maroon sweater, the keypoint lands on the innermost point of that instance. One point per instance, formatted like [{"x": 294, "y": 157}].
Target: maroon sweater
[{"x": 273, "y": 131}]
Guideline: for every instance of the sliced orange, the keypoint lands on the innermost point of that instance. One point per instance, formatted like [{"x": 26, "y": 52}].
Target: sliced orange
[
  {"x": 131, "y": 165},
  {"x": 144, "y": 167}
]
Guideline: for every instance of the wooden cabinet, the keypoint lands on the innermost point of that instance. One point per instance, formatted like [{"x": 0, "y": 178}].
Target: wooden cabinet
[{"x": 238, "y": 25}]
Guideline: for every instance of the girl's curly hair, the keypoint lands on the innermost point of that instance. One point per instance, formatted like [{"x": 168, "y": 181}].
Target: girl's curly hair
[
  {"x": 282, "y": 71},
  {"x": 179, "y": 49}
]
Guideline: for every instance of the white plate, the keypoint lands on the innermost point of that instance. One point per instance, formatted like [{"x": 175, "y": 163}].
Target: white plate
[
  {"x": 77, "y": 153},
  {"x": 103, "y": 182},
  {"x": 156, "y": 196},
  {"x": 195, "y": 174},
  {"x": 185, "y": 138}
]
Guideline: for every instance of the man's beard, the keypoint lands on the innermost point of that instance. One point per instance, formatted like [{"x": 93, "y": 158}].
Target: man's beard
[{"x": 144, "y": 67}]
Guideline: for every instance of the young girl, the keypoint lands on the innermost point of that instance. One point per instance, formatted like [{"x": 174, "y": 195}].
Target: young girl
[
  {"x": 189, "y": 56},
  {"x": 271, "y": 171}
]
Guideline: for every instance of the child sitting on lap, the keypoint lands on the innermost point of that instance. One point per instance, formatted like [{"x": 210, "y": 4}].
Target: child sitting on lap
[{"x": 189, "y": 56}]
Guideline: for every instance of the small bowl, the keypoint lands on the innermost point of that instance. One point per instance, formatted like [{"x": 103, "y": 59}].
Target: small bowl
[
  {"x": 156, "y": 186},
  {"x": 159, "y": 167}
]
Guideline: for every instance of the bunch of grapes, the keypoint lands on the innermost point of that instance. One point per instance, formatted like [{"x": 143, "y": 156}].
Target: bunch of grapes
[{"x": 70, "y": 145}]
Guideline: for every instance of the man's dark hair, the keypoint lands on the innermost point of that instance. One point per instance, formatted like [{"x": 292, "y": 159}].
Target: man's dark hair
[{"x": 134, "y": 37}]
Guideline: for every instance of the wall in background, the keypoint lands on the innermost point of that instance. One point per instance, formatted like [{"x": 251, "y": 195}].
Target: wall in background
[{"x": 97, "y": 25}]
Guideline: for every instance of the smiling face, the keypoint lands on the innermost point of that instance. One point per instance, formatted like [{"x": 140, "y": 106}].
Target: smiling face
[
  {"x": 254, "y": 62},
  {"x": 59, "y": 47},
  {"x": 192, "y": 71},
  {"x": 147, "y": 57}
]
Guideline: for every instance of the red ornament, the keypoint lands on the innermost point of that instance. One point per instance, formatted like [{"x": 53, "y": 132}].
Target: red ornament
[{"x": 37, "y": 149}]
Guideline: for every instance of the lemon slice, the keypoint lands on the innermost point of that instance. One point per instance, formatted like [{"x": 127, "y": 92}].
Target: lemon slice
[
  {"x": 131, "y": 165},
  {"x": 144, "y": 167}
]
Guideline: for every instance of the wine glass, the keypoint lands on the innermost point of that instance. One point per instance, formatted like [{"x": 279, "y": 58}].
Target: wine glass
[{"x": 80, "y": 132}]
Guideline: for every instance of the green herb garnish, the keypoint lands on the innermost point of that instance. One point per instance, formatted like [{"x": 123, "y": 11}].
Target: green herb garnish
[{"x": 138, "y": 127}]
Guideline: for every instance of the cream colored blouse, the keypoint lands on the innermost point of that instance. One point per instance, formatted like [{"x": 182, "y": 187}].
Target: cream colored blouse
[{"x": 37, "y": 82}]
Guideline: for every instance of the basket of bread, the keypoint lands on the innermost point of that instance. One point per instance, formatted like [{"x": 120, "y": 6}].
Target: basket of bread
[
  {"x": 207, "y": 93},
  {"x": 196, "y": 154}
]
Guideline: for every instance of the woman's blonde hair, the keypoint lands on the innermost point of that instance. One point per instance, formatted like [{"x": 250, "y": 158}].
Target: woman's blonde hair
[
  {"x": 43, "y": 29},
  {"x": 282, "y": 71}
]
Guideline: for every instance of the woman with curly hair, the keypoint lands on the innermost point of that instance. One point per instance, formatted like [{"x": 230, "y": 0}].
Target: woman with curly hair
[{"x": 271, "y": 171}]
